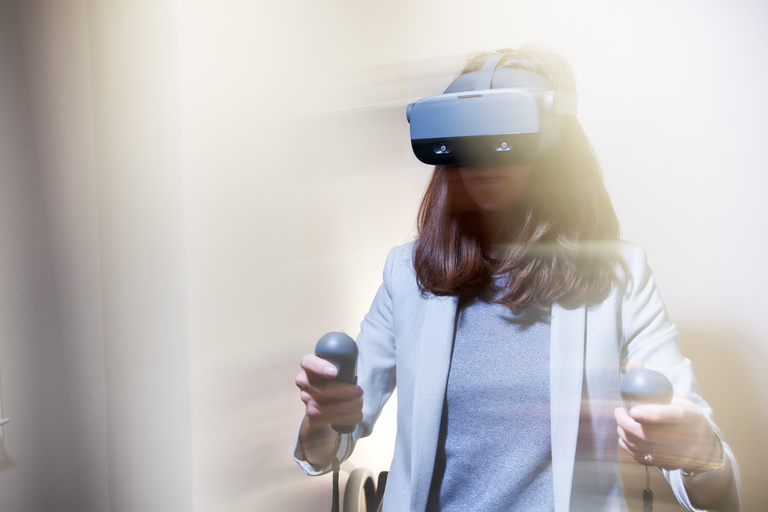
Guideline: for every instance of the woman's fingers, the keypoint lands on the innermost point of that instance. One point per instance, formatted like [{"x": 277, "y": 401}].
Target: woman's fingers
[
  {"x": 331, "y": 392},
  {"x": 680, "y": 410},
  {"x": 328, "y": 401},
  {"x": 315, "y": 371},
  {"x": 670, "y": 433},
  {"x": 318, "y": 366},
  {"x": 347, "y": 412}
]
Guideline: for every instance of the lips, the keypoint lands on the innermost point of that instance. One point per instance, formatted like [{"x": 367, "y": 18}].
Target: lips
[
  {"x": 484, "y": 174},
  {"x": 488, "y": 178}
]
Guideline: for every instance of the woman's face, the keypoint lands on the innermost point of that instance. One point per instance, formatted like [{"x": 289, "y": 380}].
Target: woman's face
[{"x": 496, "y": 188}]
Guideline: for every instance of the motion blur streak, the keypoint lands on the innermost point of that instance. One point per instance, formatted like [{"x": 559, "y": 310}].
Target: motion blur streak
[{"x": 193, "y": 192}]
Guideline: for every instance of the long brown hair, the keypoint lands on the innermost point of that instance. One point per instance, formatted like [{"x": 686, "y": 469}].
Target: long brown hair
[{"x": 556, "y": 254}]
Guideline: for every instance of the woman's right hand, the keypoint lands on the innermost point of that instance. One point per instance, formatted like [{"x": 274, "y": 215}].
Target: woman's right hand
[{"x": 327, "y": 402}]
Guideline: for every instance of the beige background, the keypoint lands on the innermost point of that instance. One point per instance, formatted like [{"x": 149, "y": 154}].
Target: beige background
[{"x": 192, "y": 192}]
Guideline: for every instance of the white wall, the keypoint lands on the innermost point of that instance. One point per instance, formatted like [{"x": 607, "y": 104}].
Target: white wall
[
  {"x": 209, "y": 187},
  {"x": 140, "y": 180},
  {"x": 114, "y": 389},
  {"x": 49, "y": 360},
  {"x": 291, "y": 203}
]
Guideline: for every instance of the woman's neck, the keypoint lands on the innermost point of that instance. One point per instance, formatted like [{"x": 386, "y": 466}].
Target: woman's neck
[{"x": 501, "y": 227}]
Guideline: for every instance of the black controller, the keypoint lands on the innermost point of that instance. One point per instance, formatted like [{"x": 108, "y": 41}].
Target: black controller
[
  {"x": 340, "y": 350},
  {"x": 645, "y": 386}
]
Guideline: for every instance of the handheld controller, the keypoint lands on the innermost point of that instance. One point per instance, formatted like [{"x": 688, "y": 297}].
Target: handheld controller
[
  {"x": 340, "y": 350},
  {"x": 645, "y": 386}
]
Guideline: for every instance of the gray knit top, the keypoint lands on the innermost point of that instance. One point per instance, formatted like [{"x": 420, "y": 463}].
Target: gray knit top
[{"x": 494, "y": 450}]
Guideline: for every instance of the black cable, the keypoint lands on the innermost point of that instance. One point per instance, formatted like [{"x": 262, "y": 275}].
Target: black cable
[
  {"x": 335, "y": 502},
  {"x": 647, "y": 493}
]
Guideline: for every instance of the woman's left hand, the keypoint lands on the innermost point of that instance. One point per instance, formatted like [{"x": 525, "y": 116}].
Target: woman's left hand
[
  {"x": 669, "y": 436},
  {"x": 674, "y": 436}
]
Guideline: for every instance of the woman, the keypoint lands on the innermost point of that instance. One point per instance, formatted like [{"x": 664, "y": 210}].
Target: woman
[{"x": 506, "y": 325}]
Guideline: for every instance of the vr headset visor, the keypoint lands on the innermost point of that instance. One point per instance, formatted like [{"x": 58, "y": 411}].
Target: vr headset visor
[{"x": 489, "y": 117}]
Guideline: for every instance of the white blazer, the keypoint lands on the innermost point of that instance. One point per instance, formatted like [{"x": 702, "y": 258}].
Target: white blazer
[{"x": 406, "y": 339}]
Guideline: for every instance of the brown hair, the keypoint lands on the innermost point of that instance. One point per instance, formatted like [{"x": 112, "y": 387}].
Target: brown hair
[{"x": 552, "y": 257}]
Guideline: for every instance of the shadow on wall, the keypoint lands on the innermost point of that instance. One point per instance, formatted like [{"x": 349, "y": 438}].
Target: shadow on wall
[{"x": 730, "y": 368}]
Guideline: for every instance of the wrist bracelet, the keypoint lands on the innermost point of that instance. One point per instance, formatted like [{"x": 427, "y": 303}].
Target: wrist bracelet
[{"x": 702, "y": 470}]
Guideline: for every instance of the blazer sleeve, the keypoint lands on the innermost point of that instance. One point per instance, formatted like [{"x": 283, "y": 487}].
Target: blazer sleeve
[
  {"x": 650, "y": 336},
  {"x": 375, "y": 366}
]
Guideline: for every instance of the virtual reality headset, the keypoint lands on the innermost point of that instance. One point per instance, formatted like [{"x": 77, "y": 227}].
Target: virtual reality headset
[{"x": 493, "y": 116}]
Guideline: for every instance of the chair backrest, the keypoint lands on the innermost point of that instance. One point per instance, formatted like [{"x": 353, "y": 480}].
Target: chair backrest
[{"x": 361, "y": 494}]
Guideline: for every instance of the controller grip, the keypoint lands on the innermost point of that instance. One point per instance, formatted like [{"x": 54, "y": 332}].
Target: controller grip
[
  {"x": 340, "y": 350},
  {"x": 645, "y": 386}
]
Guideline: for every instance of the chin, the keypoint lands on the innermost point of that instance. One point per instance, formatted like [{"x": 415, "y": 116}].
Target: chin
[
  {"x": 497, "y": 204},
  {"x": 495, "y": 208}
]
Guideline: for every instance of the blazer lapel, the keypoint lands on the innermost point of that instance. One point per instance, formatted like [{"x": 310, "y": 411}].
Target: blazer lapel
[
  {"x": 435, "y": 343},
  {"x": 567, "y": 341}
]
